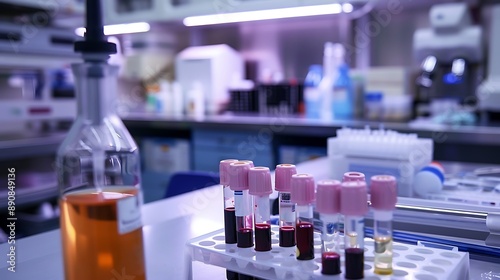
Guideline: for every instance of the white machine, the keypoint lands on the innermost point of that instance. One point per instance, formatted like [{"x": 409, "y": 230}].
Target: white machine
[
  {"x": 451, "y": 52},
  {"x": 35, "y": 78},
  {"x": 488, "y": 93},
  {"x": 213, "y": 68}
]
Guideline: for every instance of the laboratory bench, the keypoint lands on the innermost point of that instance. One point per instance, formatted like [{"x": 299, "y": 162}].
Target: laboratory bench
[
  {"x": 171, "y": 144},
  {"x": 169, "y": 224}
]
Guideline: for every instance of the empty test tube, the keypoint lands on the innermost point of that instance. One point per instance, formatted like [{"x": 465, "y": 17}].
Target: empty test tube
[
  {"x": 238, "y": 182},
  {"x": 353, "y": 205},
  {"x": 282, "y": 176},
  {"x": 328, "y": 207},
  {"x": 383, "y": 198},
  {"x": 260, "y": 186},
  {"x": 303, "y": 194}
]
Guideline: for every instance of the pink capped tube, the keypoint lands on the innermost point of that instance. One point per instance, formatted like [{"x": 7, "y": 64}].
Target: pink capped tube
[
  {"x": 304, "y": 196},
  {"x": 353, "y": 176},
  {"x": 328, "y": 207},
  {"x": 282, "y": 178},
  {"x": 229, "y": 213},
  {"x": 260, "y": 187},
  {"x": 353, "y": 205},
  {"x": 383, "y": 198},
  {"x": 238, "y": 182}
]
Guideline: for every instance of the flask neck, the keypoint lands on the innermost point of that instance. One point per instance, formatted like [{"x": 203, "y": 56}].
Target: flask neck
[{"x": 95, "y": 90}]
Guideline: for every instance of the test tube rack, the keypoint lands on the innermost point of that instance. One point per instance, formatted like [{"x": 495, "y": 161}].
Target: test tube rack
[{"x": 409, "y": 261}]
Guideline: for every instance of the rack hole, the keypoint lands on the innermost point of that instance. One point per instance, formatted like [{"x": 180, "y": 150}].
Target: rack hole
[{"x": 207, "y": 243}]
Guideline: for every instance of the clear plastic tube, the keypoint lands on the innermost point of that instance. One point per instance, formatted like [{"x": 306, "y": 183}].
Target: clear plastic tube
[
  {"x": 262, "y": 213},
  {"x": 383, "y": 242},
  {"x": 229, "y": 215},
  {"x": 330, "y": 237},
  {"x": 354, "y": 247},
  {"x": 287, "y": 220},
  {"x": 244, "y": 219},
  {"x": 304, "y": 232}
]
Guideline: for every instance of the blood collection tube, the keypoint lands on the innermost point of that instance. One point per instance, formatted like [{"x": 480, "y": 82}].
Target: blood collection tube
[
  {"x": 238, "y": 182},
  {"x": 229, "y": 214},
  {"x": 383, "y": 198},
  {"x": 328, "y": 207},
  {"x": 302, "y": 193},
  {"x": 260, "y": 186},
  {"x": 282, "y": 176},
  {"x": 353, "y": 205},
  {"x": 353, "y": 176}
]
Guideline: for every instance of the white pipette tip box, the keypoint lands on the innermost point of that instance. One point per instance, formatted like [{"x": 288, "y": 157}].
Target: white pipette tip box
[
  {"x": 409, "y": 261},
  {"x": 375, "y": 152}
]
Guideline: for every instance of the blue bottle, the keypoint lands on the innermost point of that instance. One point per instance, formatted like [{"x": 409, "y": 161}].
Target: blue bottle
[
  {"x": 343, "y": 94},
  {"x": 343, "y": 100},
  {"x": 312, "y": 95}
]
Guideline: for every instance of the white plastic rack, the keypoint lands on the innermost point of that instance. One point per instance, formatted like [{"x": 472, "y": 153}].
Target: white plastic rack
[{"x": 409, "y": 261}]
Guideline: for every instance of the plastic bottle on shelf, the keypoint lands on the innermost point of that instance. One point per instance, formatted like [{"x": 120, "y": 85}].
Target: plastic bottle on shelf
[
  {"x": 196, "y": 101},
  {"x": 374, "y": 105},
  {"x": 177, "y": 100},
  {"x": 326, "y": 86},
  {"x": 152, "y": 98},
  {"x": 165, "y": 98},
  {"x": 312, "y": 94},
  {"x": 343, "y": 87}
]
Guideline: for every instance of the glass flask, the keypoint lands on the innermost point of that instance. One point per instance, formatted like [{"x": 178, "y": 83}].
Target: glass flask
[{"x": 98, "y": 168}]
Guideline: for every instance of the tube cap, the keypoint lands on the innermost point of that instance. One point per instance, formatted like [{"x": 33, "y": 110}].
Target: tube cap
[
  {"x": 259, "y": 181},
  {"x": 249, "y": 162},
  {"x": 224, "y": 170},
  {"x": 238, "y": 175},
  {"x": 282, "y": 177},
  {"x": 353, "y": 198},
  {"x": 302, "y": 189},
  {"x": 328, "y": 196},
  {"x": 384, "y": 192},
  {"x": 353, "y": 176}
]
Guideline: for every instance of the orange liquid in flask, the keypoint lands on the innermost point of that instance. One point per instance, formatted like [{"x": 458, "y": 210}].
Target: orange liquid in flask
[{"x": 93, "y": 247}]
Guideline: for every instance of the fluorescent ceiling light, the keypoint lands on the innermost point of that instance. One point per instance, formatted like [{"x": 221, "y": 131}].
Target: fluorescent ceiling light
[
  {"x": 304, "y": 11},
  {"x": 115, "y": 29},
  {"x": 347, "y": 7}
]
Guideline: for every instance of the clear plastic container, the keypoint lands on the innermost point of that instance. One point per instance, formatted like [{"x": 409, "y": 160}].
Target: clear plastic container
[
  {"x": 374, "y": 108},
  {"x": 312, "y": 95}
]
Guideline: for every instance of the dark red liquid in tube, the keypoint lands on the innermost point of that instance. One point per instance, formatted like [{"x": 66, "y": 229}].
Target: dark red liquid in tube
[
  {"x": 287, "y": 236},
  {"x": 230, "y": 225},
  {"x": 262, "y": 237},
  {"x": 245, "y": 238},
  {"x": 330, "y": 262},
  {"x": 304, "y": 234},
  {"x": 354, "y": 263}
]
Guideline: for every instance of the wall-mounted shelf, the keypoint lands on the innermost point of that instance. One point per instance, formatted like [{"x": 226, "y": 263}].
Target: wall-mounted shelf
[{"x": 22, "y": 146}]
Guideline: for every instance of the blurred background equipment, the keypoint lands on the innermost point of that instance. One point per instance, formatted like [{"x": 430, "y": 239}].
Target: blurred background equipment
[
  {"x": 214, "y": 68},
  {"x": 452, "y": 55},
  {"x": 488, "y": 93}
]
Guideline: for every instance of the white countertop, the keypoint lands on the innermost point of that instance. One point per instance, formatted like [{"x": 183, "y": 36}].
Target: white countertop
[{"x": 168, "y": 225}]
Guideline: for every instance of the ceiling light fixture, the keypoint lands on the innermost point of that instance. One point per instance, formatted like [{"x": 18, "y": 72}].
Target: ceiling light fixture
[
  {"x": 116, "y": 29},
  {"x": 303, "y": 11}
]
